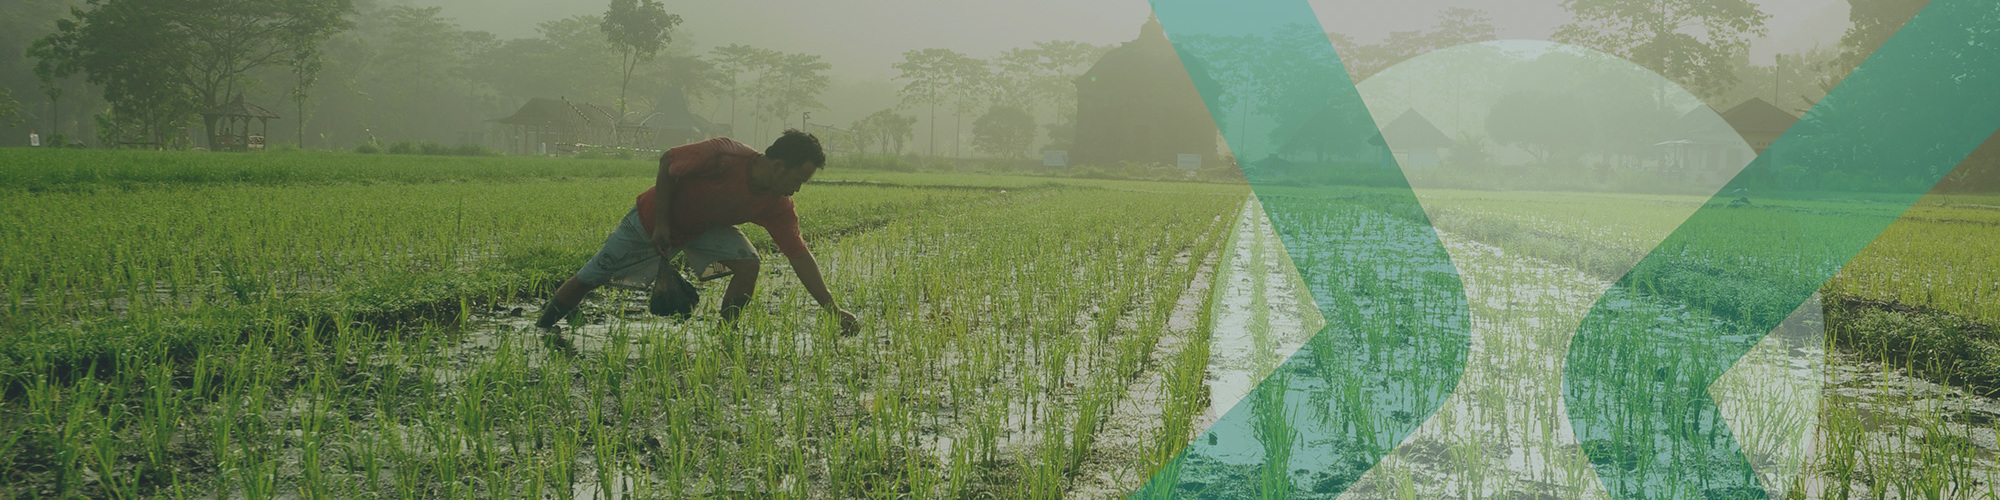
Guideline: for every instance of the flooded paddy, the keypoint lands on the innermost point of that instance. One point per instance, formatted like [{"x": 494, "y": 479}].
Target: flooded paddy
[{"x": 1813, "y": 424}]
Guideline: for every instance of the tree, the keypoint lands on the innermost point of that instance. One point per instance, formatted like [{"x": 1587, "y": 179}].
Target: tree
[
  {"x": 1005, "y": 131},
  {"x": 792, "y": 83},
  {"x": 1043, "y": 77},
  {"x": 1689, "y": 42},
  {"x": 1455, "y": 26},
  {"x": 416, "y": 71},
  {"x": 639, "y": 29},
  {"x": 734, "y": 61},
  {"x": 162, "y": 60},
  {"x": 885, "y": 128},
  {"x": 931, "y": 76},
  {"x": 968, "y": 90},
  {"x": 306, "y": 62},
  {"x": 10, "y": 110},
  {"x": 1872, "y": 23},
  {"x": 1532, "y": 120}
]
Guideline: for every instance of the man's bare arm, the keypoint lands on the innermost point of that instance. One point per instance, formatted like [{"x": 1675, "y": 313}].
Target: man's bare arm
[{"x": 808, "y": 270}]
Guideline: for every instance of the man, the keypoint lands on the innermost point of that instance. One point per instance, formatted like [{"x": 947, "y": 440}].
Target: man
[{"x": 703, "y": 190}]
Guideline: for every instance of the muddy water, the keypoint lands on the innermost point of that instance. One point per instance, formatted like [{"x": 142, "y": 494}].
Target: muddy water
[{"x": 1503, "y": 432}]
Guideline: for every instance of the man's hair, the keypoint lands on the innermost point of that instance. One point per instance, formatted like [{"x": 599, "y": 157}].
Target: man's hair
[{"x": 796, "y": 149}]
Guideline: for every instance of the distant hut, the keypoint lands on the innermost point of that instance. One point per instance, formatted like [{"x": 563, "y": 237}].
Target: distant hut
[
  {"x": 1331, "y": 136},
  {"x": 1138, "y": 103},
  {"x": 1701, "y": 145},
  {"x": 1759, "y": 122},
  {"x": 230, "y": 126},
  {"x": 672, "y": 123},
  {"x": 1413, "y": 142},
  {"x": 545, "y": 126},
  {"x": 1271, "y": 168}
]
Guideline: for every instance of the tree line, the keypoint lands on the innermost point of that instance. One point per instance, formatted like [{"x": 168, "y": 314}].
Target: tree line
[{"x": 352, "y": 71}]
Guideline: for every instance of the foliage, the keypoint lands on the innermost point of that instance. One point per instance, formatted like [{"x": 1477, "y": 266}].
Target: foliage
[
  {"x": 886, "y": 129},
  {"x": 1688, "y": 41},
  {"x": 792, "y": 83},
  {"x": 1004, "y": 131},
  {"x": 639, "y": 29},
  {"x": 160, "y": 61},
  {"x": 282, "y": 325},
  {"x": 34, "y": 170},
  {"x": 1455, "y": 26},
  {"x": 10, "y": 110},
  {"x": 782, "y": 84},
  {"x": 1871, "y": 22},
  {"x": 933, "y": 77}
]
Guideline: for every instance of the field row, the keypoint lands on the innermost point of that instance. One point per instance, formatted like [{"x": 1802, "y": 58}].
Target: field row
[{"x": 212, "y": 347}]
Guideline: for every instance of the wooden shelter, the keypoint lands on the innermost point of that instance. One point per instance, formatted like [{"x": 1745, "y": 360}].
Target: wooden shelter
[
  {"x": 1701, "y": 144},
  {"x": 559, "y": 126},
  {"x": 229, "y": 126},
  {"x": 672, "y": 123},
  {"x": 1411, "y": 141},
  {"x": 1138, "y": 103},
  {"x": 1759, "y": 122}
]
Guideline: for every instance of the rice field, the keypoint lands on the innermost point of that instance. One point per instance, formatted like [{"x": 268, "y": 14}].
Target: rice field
[
  {"x": 1903, "y": 407},
  {"x": 349, "y": 326},
  {"x": 344, "y": 339}
]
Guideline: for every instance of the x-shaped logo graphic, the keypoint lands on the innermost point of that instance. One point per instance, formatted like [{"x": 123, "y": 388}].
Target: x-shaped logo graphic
[{"x": 1637, "y": 389}]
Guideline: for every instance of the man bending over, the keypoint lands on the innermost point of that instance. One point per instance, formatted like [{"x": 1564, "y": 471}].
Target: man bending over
[{"x": 702, "y": 192}]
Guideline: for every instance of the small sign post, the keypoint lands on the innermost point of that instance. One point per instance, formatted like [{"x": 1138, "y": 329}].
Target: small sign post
[
  {"x": 1055, "y": 158},
  {"x": 1190, "y": 161}
]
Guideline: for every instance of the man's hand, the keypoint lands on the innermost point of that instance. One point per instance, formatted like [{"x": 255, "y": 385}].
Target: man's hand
[
  {"x": 662, "y": 238},
  {"x": 849, "y": 325}
]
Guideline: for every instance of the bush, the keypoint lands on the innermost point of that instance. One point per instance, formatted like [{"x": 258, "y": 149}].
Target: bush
[
  {"x": 473, "y": 150},
  {"x": 367, "y": 148},
  {"x": 432, "y": 148},
  {"x": 891, "y": 163},
  {"x": 403, "y": 148}
]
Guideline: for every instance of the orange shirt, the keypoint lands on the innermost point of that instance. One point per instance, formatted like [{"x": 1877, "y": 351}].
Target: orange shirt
[{"x": 712, "y": 189}]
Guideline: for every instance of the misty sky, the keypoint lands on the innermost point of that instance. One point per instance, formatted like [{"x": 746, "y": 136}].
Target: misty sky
[{"x": 862, "y": 39}]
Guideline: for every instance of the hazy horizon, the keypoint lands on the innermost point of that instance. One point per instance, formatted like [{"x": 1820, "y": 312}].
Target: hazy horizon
[{"x": 863, "y": 40}]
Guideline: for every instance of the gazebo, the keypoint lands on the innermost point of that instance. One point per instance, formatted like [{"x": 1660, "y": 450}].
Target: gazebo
[
  {"x": 229, "y": 126},
  {"x": 672, "y": 123},
  {"x": 544, "y": 126},
  {"x": 1411, "y": 141}
]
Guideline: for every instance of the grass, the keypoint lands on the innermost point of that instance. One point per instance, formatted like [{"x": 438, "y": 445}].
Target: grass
[
  {"x": 340, "y": 326},
  {"x": 349, "y": 336}
]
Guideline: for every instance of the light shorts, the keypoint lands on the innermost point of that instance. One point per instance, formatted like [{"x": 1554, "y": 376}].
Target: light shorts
[{"x": 628, "y": 260}]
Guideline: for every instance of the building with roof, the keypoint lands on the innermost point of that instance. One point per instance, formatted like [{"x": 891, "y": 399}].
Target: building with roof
[
  {"x": 558, "y": 126},
  {"x": 1138, "y": 103},
  {"x": 229, "y": 126},
  {"x": 1707, "y": 142},
  {"x": 672, "y": 123},
  {"x": 1411, "y": 141}
]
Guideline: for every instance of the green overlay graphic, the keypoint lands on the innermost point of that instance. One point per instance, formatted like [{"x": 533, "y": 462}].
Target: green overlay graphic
[{"x": 1636, "y": 385}]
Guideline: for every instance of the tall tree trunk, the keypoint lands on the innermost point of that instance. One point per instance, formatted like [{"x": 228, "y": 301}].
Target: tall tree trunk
[{"x": 933, "y": 131}]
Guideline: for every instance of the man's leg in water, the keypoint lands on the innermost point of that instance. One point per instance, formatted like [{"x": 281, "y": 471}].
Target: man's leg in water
[
  {"x": 627, "y": 248},
  {"x": 567, "y": 297},
  {"x": 742, "y": 281}
]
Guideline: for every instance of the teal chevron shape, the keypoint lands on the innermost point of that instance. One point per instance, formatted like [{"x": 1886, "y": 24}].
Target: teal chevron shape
[
  {"x": 1636, "y": 387},
  {"x": 1396, "y": 334}
]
